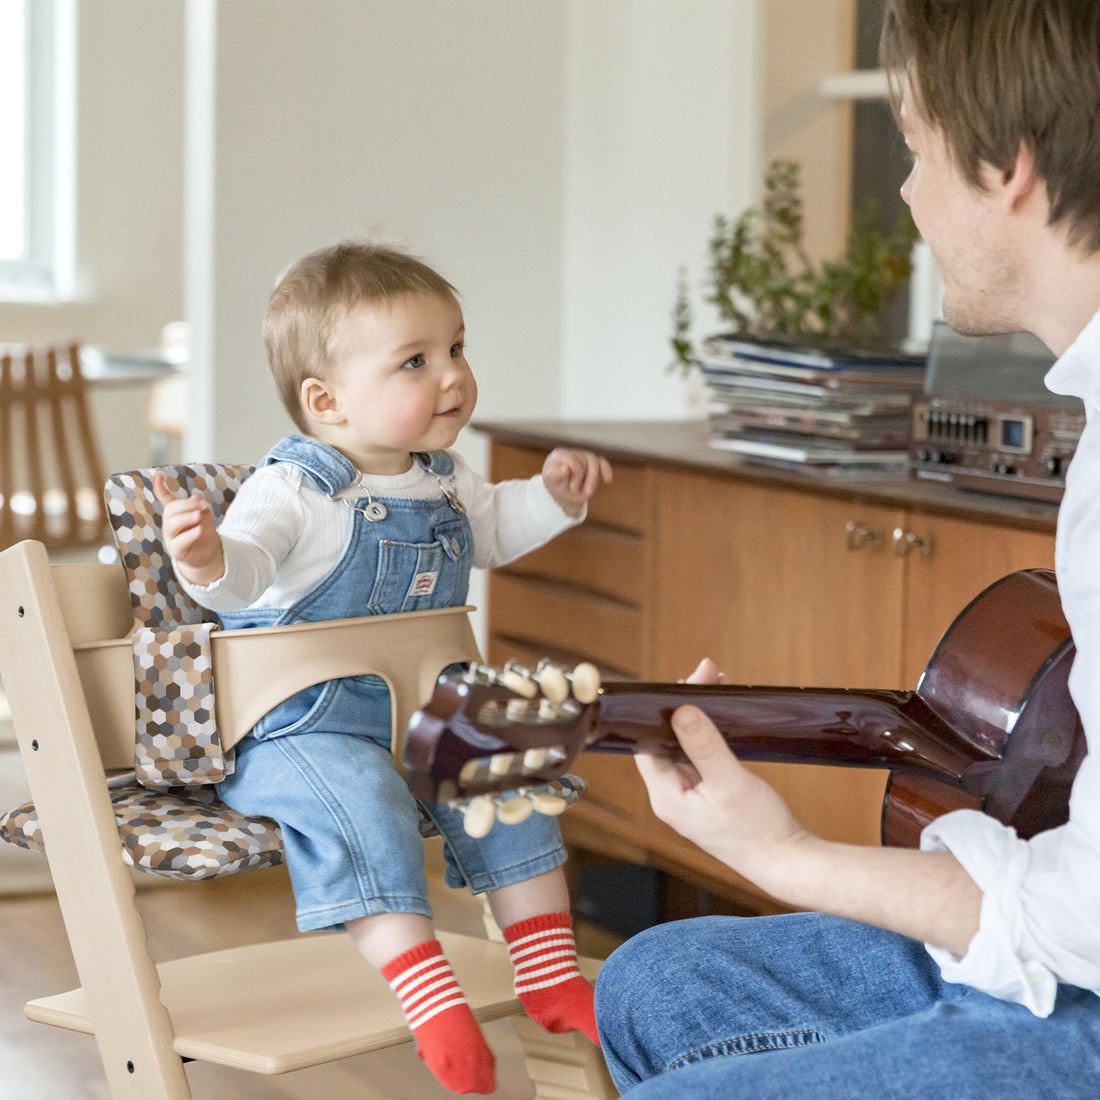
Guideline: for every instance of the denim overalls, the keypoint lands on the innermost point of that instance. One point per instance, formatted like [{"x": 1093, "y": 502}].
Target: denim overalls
[{"x": 320, "y": 763}]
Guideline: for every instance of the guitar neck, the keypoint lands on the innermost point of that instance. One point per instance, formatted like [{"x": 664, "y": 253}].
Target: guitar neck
[{"x": 856, "y": 728}]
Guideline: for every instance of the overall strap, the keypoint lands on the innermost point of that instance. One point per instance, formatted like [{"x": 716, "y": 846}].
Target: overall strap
[{"x": 331, "y": 471}]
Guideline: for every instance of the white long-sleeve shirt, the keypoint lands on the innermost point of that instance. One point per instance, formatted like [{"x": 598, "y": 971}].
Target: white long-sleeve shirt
[
  {"x": 282, "y": 535},
  {"x": 1040, "y": 913}
]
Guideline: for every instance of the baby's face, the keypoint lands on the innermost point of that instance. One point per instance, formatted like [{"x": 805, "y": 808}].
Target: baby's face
[{"x": 402, "y": 383}]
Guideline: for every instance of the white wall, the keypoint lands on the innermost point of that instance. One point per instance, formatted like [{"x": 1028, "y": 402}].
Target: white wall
[
  {"x": 663, "y": 128},
  {"x": 556, "y": 159},
  {"x": 129, "y": 185},
  {"x": 437, "y": 125}
]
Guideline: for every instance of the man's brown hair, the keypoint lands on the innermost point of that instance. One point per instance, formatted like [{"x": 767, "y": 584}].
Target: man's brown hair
[
  {"x": 304, "y": 326},
  {"x": 993, "y": 75}
]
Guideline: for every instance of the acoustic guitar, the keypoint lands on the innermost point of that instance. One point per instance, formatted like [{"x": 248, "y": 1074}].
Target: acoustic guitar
[{"x": 990, "y": 725}]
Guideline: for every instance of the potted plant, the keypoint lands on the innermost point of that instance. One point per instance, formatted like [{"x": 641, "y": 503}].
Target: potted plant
[{"x": 765, "y": 286}]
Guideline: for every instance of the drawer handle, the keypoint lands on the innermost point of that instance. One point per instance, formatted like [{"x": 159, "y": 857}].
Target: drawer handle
[
  {"x": 906, "y": 541},
  {"x": 857, "y": 536}
]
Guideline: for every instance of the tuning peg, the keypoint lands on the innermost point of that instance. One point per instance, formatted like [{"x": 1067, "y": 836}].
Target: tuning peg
[
  {"x": 500, "y": 763},
  {"x": 516, "y": 710},
  {"x": 479, "y": 816},
  {"x": 519, "y": 681},
  {"x": 534, "y": 760},
  {"x": 511, "y": 811},
  {"x": 553, "y": 683},
  {"x": 586, "y": 682},
  {"x": 549, "y": 804}
]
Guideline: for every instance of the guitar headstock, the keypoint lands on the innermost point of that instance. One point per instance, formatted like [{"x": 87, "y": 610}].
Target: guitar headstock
[{"x": 487, "y": 732}]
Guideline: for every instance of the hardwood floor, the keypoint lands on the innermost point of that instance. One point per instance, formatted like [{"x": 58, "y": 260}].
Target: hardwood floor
[{"x": 45, "y": 1063}]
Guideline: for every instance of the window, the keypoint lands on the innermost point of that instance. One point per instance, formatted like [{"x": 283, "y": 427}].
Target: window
[{"x": 37, "y": 136}]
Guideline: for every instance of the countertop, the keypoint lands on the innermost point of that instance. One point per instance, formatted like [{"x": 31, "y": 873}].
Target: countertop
[{"x": 683, "y": 444}]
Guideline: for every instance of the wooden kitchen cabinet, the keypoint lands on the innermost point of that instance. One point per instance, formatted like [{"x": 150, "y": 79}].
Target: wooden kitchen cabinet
[{"x": 780, "y": 580}]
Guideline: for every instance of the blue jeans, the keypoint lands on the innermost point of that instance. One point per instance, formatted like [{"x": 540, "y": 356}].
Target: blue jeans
[
  {"x": 351, "y": 829},
  {"x": 827, "y": 1008}
]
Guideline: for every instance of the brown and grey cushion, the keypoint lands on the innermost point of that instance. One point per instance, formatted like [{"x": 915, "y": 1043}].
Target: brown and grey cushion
[
  {"x": 178, "y": 826},
  {"x": 135, "y": 514},
  {"x": 176, "y": 739},
  {"x": 184, "y": 835}
]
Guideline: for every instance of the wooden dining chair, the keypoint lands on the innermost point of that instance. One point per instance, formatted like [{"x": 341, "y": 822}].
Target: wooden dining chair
[
  {"x": 51, "y": 473},
  {"x": 78, "y": 669}
]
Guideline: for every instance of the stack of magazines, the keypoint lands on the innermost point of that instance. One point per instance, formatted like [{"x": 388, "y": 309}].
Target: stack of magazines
[{"x": 829, "y": 412}]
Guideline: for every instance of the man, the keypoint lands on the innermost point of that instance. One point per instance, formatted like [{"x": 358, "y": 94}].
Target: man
[{"x": 970, "y": 968}]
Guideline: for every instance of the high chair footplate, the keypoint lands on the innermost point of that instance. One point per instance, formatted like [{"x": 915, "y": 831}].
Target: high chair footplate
[{"x": 334, "y": 1005}]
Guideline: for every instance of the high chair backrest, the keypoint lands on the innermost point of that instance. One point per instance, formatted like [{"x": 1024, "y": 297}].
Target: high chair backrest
[{"x": 50, "y": 466}]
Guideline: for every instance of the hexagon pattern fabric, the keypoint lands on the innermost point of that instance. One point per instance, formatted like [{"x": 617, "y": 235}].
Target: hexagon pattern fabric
[
  {"x": 176, "y": 742},
  {"x": 135, "y": 513},
  {"x": 184, "y": 835}
]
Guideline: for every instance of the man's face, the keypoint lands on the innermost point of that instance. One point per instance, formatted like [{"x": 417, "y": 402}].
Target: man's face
[{"x": 963, "y": 228}]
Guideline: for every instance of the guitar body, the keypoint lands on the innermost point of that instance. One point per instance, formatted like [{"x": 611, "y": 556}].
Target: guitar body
[
  {"x": 990, "y": 726},
  {"x": 999, "y": 678}
]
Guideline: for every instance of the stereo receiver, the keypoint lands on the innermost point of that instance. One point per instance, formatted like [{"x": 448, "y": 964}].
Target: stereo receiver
[{"x": 986, "y": 421}]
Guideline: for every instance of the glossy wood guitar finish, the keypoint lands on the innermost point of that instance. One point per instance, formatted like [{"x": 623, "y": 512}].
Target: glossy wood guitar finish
[{"x": 990, "y": 725}]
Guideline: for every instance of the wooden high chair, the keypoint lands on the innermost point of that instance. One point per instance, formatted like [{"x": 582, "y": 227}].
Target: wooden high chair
[
  {"x": 67, "y": 659},
  {"x": 51, "y": 473}
]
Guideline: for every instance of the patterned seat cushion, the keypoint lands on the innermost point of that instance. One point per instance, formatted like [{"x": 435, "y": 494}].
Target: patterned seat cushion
[{"x": 180, "y": 835}]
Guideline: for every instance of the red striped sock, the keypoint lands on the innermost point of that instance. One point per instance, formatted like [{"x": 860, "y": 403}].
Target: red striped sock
[
  {"x": 549, "y": 986},
  {"x": 448, "y": 1038}
]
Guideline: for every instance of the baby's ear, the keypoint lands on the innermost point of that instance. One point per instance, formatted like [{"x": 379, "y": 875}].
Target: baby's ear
[{"x": 319, "y": 403}]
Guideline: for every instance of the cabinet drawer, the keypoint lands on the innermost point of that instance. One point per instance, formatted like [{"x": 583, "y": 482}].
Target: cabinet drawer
[
  {"x": 626, "y": 502},
  {"x": 596, "y": 558},
  {"x": 543, "y": 614}
]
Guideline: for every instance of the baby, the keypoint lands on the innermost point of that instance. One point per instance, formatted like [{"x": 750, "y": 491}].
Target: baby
[{"x": 367, "y": 512}]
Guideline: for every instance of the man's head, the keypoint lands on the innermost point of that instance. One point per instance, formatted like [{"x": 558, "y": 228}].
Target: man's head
[
  {"x": 306, "y": 324},
  {"x": 997, "y": 75}
]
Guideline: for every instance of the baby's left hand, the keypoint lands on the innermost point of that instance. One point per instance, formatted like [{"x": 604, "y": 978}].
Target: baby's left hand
[{"x": 573, "y": 476}]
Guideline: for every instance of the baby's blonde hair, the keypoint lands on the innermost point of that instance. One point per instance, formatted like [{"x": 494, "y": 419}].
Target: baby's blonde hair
[{"x": 305, "y": 320}]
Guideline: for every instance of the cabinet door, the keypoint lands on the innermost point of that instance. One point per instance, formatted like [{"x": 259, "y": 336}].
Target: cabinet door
[
  {"x": 776, "y": 585},
  {"x": 947, "y": 563}
]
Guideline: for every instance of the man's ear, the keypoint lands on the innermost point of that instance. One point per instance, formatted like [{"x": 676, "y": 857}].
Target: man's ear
[
  {"x": 1019, "y": 185},
  {"x": 319, "y": 402}
]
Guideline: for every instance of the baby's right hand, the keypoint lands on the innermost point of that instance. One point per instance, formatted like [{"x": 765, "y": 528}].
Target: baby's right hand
[{"x": 190, "y": 535}]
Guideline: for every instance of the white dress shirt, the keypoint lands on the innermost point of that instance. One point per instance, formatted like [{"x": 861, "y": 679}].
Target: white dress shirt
[{"x": 1040, "y": 913}]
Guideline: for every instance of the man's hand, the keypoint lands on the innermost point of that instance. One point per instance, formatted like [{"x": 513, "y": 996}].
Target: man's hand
[
  {"x": 573, "y": 476},
  {"x": 190, "y": 535},
  {"x": 738, "y": 818},
  {"x": 713, "y": 800}
]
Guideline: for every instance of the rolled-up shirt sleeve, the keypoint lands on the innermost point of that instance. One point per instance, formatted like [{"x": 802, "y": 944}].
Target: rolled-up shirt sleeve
[{"x": 1040, "y": 911}]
